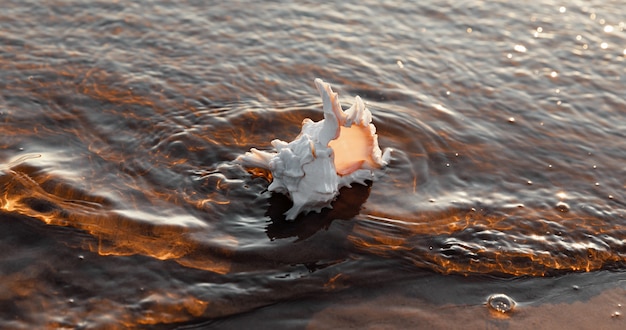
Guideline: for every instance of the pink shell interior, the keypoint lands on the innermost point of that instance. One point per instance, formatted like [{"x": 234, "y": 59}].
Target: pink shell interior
[{"x": 352, "y": 148}]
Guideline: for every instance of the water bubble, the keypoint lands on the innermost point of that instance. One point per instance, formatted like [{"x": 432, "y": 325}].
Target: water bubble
[
  {"x": 562, "y": 206},
  {"x": 616, "y": 314},
  {"x": 511, "y": 120},
  {"x": 575, "y": 287},
  {"x": 500, "y": 302},
  {"x": 81, "y": 257}
]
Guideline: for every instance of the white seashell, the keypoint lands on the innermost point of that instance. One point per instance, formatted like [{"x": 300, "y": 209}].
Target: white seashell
[{"x": 327, "y": 155}]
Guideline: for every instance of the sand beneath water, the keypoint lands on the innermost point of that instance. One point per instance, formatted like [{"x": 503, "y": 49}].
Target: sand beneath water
[{"x": 604, "y": 311}]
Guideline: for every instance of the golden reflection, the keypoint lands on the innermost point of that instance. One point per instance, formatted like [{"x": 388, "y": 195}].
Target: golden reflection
[
  {"x": 429, "y": 242},
  {"x": 138, "y": 135},
  {"x": 130, "y": 210},
  {"x": 113, "y": 203},
  {"x": 28, "y": 192},
  {"x": 334, "y": 282},
  {"x": 167, "y": 308}
]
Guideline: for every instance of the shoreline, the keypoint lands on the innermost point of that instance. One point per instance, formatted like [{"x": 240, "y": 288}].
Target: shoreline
[
  {"x": 605, "y": 311},
  {"x": 572, "y": 301}
]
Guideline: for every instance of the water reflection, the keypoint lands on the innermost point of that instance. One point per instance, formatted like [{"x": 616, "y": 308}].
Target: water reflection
[{"x": 119, "y": 122}]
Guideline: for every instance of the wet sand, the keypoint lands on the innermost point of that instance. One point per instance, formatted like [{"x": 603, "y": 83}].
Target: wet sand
[
  {"x": 448, "y": 302},
  {"x": 401, "y": 312}
]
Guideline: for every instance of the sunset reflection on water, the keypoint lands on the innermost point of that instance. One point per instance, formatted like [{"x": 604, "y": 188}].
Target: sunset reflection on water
[{"x": 120, "y": 205}]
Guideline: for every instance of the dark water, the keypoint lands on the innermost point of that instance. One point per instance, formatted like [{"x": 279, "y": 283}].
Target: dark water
[{"x": 121, "y": 207}]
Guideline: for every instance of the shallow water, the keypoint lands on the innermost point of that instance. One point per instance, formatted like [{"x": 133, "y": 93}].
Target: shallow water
[{"x": 121, "y": 207}]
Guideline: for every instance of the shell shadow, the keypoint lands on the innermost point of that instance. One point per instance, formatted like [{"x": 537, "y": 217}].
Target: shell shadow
[{"x": 347, "y": 205}]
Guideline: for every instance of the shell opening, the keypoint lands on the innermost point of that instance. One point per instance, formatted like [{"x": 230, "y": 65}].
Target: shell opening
[{"x": 352, "y": 149}]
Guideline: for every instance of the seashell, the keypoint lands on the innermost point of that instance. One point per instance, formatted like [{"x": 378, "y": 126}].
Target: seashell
[{"x": 327, "y": 155}]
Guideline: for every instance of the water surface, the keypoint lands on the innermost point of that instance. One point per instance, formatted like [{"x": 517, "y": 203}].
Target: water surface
[{"x": 121, "y": 206}]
